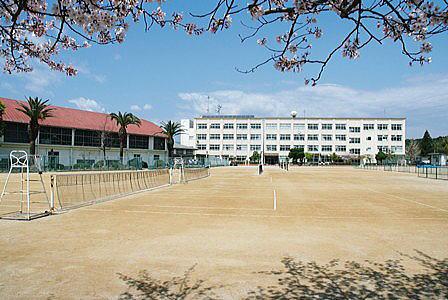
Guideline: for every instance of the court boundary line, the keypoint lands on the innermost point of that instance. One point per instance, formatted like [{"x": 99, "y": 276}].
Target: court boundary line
[
  {"x": 275, "y": 200},
  {"x": 189, "y": 213},
  {"x": 91, "y": 209},
  {"x": 408, "y": 200},
  {"x": 200, "y": 207}
]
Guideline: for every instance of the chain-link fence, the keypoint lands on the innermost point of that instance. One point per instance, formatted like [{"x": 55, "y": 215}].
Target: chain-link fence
[
  {"x": 434, "y": 172},
  {"x": 425, "y": 171}
]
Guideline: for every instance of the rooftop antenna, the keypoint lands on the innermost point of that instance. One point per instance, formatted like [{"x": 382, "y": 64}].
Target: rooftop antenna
[
  {"x": 304, "y": 113},
  {"x": 218, "y": 109},
  {"x": 384, "y": 112},
  {"x": 208, "y": 104}
]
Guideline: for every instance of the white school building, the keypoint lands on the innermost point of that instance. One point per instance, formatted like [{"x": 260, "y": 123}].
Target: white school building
[{"x": 238, "y": 136}]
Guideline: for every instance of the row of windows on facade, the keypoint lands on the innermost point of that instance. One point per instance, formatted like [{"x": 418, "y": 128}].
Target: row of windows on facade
[
  {"x": 287, "y": 126},
  {"x": 311, "y": 148},
  {"x": 18, "y": 133},
  {"x": 296, "y": 137}
]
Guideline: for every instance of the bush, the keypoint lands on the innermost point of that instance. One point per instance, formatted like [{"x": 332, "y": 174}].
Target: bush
[{"x": 81, "y": 166}]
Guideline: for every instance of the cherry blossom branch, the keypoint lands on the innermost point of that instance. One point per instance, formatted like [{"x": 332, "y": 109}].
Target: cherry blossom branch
[{"x": 42, "y": 29}]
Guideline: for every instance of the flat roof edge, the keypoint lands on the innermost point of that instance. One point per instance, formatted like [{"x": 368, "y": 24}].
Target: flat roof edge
[{"x": 299, "y": 118}]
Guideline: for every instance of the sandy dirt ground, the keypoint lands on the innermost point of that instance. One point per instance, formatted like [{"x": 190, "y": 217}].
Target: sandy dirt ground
[{"x": 335, "y": 232}]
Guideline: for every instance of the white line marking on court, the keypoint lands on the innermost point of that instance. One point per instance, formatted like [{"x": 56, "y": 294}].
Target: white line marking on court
[
  {"x": 188, "y": 213},
  {"x": 275, "y": 200},
  {"x": 253, "y": 215},
  {"x": 218, "y": 189},
  {"x": 198, "y": 207},
  {"x": 170, "y": 197},
  {"x": 408, "y": 200}
]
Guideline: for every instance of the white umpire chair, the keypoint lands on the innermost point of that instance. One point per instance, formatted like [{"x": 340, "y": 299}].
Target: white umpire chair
[{"x": 27, "y": 208}]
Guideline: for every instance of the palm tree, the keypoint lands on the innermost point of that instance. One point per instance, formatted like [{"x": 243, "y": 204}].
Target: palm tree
[
  {"x": 123, "y": 121},
  {"x": 171, "y": 129},
  {"x": 37, "y": 110}
]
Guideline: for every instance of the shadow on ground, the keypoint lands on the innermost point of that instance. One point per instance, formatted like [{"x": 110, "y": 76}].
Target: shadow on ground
[
  {"x": 310, "y": 280},
  {"x": 144, "y": 286}
]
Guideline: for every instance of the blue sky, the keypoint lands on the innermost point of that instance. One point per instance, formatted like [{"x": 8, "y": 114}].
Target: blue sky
[{"x": 164, "y": 74}]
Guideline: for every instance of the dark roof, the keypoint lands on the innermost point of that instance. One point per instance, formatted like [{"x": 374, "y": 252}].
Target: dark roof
[{"x": 78, "y": 119}]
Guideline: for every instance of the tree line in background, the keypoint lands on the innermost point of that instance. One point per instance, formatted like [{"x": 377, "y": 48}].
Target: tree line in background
[{"x": 426, "y": 145}]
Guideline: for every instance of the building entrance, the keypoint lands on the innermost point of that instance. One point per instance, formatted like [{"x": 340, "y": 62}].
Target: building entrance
[{"x": 271, "y": 159}]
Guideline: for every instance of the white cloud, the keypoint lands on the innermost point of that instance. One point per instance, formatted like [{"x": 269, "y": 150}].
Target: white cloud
[
  {"x": 87, "y": 104},
  {"x": 83, "y": 69},
  {"x": 40, "y": 80},
  {"x": 423, "y": 102},
  {"x": 135, "y": 108},
  {"x": 7, "y": 87}
]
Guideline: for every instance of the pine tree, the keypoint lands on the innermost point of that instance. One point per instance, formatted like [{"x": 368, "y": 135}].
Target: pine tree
[{"x": 426, "y": 144}]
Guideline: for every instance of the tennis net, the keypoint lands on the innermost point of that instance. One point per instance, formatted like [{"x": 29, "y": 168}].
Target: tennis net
[
  {"x": 75, "y": 190},
  {"x": 196, "y": 173}
]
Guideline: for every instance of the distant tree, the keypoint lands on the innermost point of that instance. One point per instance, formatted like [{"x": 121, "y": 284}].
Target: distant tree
[
  {"x": 296, "y": 154},
  {"x": 171, "y": 129},
  {"x": 380, "y": 156},
  {"x": 439, "y": 144},
  {"x": 445, "y": 146},
  {"x": 391, "y": 157},
  {"x": 426, "y": 144},
  {"x": 309, "y": 156},
  {"x": 2, "y": 111},
  {"x": 335, "y": 158},
  {"x": 105, "y": 135},
  {"x": 412, "y": 150},
  {"x": 37, "y": 110},
  {"x": 123, "y": 120},
  {"x": 255, "y": 158}
]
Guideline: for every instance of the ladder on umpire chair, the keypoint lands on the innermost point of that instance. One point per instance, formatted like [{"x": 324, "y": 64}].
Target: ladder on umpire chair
[
  {"x": 25, "y": 166},
  {"x": 177, "y": 172}
]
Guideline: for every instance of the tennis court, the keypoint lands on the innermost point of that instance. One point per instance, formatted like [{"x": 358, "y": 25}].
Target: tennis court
[{"x": 230, "y": 226}]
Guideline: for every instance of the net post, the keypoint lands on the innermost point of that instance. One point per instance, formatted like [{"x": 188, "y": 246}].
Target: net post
[
  {"x": 51, "y": 193},
  {"x": 28, "y": 200},
  {"x": 180, "y": 174}
]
